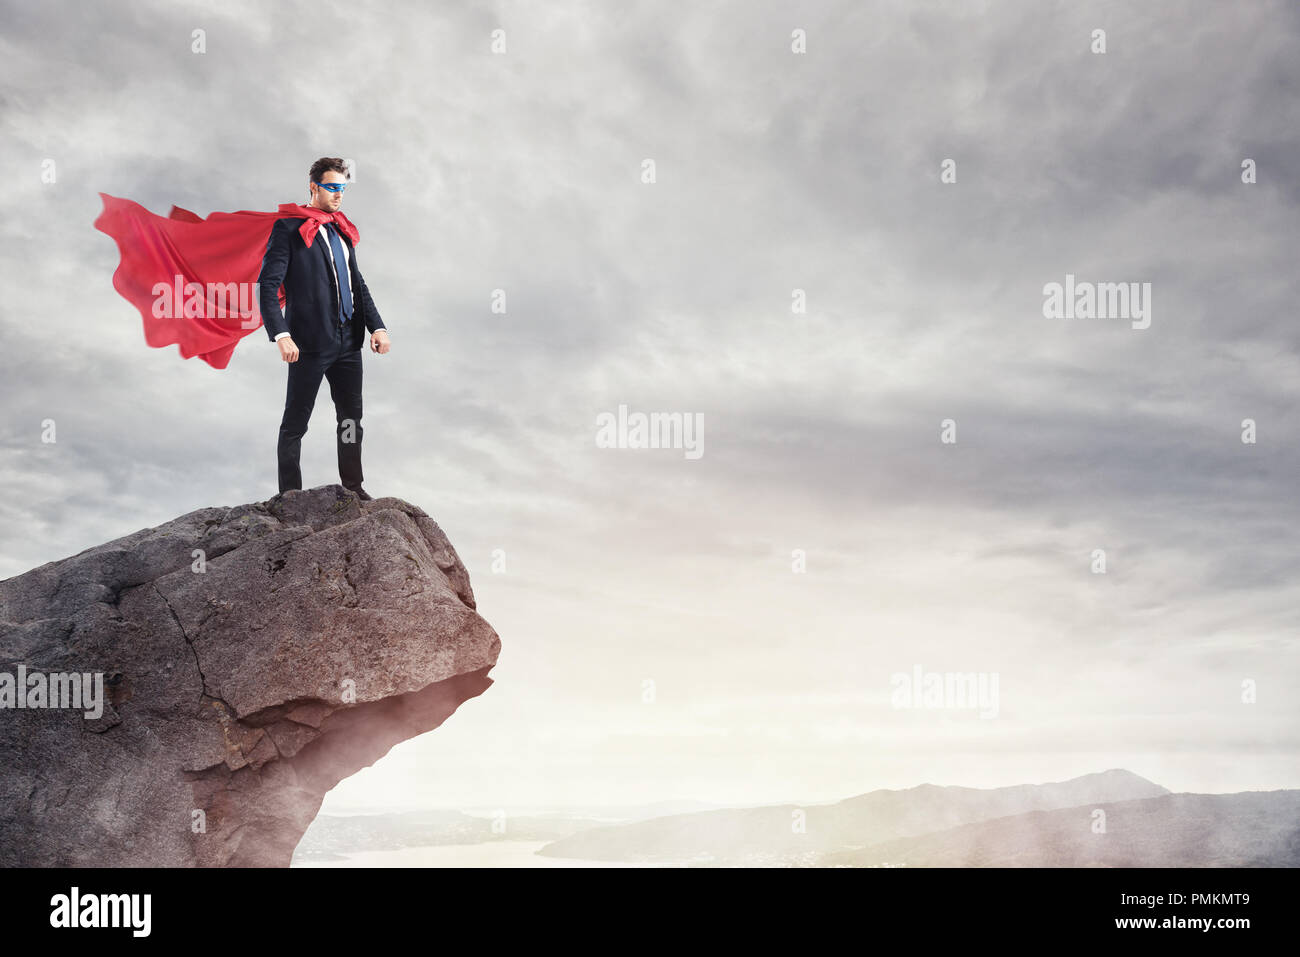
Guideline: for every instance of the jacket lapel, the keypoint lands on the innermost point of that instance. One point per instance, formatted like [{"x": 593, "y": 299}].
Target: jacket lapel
[{"x": 322, "y": 238}]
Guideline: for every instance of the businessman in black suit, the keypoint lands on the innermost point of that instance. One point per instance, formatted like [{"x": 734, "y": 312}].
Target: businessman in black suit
[{"x": 327, "y": 310}]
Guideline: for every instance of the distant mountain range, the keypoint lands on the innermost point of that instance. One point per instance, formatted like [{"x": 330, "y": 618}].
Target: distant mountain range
[
  {"x": 1111, "y": 819},
  {"x": 1250, "y": 829},
  {"x": 789, "y": 834}
]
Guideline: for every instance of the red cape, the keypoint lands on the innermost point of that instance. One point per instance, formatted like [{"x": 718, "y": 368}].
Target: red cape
[{"x": 224, "y": 248}]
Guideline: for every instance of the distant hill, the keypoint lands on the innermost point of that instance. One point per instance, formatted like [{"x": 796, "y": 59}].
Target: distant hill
[
  {"x": 766, "y": 835},
  {"x": 1250, "y": 829}
]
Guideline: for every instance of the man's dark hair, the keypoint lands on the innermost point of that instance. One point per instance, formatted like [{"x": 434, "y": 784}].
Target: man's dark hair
[{"x": 326, "y": 163}]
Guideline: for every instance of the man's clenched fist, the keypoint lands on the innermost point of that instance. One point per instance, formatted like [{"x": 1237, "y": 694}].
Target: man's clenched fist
[
  {"x": 288, "y": 351},
  {"x": 379, "y": 341}
]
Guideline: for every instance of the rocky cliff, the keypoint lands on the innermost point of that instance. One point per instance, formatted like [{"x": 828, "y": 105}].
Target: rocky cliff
[{"x": 251, "y": 658}]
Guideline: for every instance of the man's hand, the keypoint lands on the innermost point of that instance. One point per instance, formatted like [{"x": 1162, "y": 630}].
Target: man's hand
[
  {"x": 288, "y": 350},
  {"x": 379, "y": 341}
]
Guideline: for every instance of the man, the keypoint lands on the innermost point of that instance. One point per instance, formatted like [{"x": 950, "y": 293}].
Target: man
[{"x": 327, "y": 307}]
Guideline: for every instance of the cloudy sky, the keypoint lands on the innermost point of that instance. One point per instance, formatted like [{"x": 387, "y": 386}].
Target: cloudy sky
[{"x": 775, "y": 171}]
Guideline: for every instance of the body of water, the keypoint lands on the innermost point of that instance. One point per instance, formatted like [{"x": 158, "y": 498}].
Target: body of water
[{"x": 486, "y": 854}]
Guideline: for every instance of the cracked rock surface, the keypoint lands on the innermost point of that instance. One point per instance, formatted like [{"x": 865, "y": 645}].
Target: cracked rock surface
[{"x": 252, "y": 658}]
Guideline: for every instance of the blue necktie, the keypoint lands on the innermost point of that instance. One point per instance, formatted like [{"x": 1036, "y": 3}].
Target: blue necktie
[{"x": 345, "y": 290}]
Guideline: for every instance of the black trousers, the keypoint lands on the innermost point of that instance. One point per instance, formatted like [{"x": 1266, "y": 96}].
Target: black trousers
[{"x": 341, "y": 365}]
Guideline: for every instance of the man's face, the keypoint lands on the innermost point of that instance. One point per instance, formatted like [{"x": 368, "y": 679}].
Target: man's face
[{"x": 323, "y": 198}]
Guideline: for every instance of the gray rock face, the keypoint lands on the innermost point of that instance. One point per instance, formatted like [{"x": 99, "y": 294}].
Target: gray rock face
[{"x": 311, "y": 634}]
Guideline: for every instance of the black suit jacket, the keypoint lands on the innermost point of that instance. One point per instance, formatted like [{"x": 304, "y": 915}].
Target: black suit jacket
[{"x": 311, "y": 306}]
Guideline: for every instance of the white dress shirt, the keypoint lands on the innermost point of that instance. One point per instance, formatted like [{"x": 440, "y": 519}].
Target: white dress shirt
[{"x": 324, "y": 237}]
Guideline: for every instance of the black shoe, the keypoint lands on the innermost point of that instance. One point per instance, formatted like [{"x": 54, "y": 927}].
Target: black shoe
[{"x": 362, "y": 494}]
